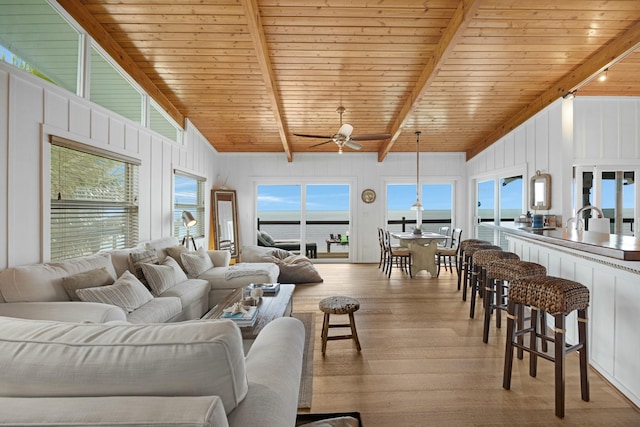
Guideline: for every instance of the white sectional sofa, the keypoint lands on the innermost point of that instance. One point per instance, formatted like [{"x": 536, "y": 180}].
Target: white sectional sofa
[
  {"x": 39, "y": 291},
  {"x": 190, "y": 373}
]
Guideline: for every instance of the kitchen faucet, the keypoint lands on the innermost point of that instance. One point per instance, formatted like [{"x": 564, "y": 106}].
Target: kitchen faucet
[{"x": 577, "y": 218}]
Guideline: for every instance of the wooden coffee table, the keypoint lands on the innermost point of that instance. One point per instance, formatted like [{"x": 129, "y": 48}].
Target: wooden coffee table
[{"x": 270, "y": 307}]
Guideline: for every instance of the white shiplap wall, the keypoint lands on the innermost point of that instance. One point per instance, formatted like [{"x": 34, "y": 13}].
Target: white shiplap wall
[
  {"x": 361, "y": 170},
  {"x": 31, "y": 110}
]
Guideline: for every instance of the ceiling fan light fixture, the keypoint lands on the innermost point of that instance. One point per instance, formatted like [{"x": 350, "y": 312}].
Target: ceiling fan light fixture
[{"x": 345, "y": 130}]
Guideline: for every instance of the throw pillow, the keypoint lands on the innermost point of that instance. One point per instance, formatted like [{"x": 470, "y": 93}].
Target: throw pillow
[
  {"x": 197, "y": 262},
  {"x": 137, "y": 258},
  {"x": 88, "y": 279},
  {"x": 267, "y": 238},
  {"x": 164, "y": 276},
  {"x": 261, "y": 240},
  {"x": 127, "y": 292},
  {"x": 176, "y": 252}
]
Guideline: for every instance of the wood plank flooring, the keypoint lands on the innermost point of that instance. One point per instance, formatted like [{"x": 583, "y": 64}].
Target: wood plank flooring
[{"x": 423, "y": 362}]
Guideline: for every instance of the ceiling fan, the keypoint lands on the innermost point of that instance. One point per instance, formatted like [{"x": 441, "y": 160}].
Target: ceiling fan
[{"x": 344, "y": 138}]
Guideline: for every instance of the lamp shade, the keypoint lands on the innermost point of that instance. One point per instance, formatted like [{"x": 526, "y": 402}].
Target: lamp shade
[{"x": 188, "y": 220}]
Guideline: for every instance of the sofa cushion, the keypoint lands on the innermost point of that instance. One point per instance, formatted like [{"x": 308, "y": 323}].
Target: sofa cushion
[
  {"x": 217, "y": 276},
  {"x": 88, "y": 279},
  {"x": 189, "y": 291},
  {"x": 130, "y": 411},
  {"x": 164, "y": 276},
  {"x": 176, "y": 252},
  {"x": 195, "y": 358},
  {"x": 160, "y": 246},
  {"x": 127, "y": 292},
  {"x": 43, "y": 282},
  {"x": 196, "y": 262},
  {"x": 158, "y": 310}
]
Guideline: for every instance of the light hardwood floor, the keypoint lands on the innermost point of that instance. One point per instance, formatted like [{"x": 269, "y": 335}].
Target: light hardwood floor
[{"x": 423, "y": 362}]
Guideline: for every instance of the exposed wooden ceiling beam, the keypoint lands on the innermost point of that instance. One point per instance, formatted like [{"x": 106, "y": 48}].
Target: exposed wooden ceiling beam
[
  {"x": 464, "y": 13},
  {"x": 605, "y": 57},
  {"x": 80, "y": 13},
  {"x": 262, "y": 54}
]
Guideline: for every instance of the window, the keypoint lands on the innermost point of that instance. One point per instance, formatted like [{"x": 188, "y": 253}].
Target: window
[
  {"x": 188, "y": 195},
  {"x": 112, "y": 90},
  {"x": 161, "y": 123},
  {"x": 35, "y": 38},
  {"x": 94, "y": 200},
  {"x": 437, "y": 200}
]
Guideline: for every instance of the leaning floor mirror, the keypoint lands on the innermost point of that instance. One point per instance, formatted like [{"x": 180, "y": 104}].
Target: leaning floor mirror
[{"x": 225, "y": 221}]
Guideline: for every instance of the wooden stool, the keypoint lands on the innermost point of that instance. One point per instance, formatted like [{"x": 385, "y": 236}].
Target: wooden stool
[
  {"x": 498, "y": 275},
  {"x": 460, "y": 264},
  {"x": 481, "y": 260},
  {"x": 339, "y": 305},
  {"x": 558, "y": 297}
]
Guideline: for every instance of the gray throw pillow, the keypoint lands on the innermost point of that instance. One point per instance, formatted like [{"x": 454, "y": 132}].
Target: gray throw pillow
[
  {"x": 88, "y": 279},
  {"x": 176, "y": 252},
  {"x": 137, "y": 258},
  {"x": 267, "y": 238}
]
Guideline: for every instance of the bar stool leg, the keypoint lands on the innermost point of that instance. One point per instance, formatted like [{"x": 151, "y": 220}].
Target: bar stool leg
[
  {"x": 508, "y": 355},
  {"x": 325, "y": 332},
  {"x": 533, "y": 343},
  {"x": 354, "y": 334},
  {"x": 559, "y": 363},
  {"x": 520, "y": 321},
  {"x": 584, "y": 364},
  {"x": 489, "y": 294}
]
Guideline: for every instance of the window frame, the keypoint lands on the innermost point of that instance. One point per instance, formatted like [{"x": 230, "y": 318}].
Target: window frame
[
  {"x": 130, "y": 192},
  {"x": 197, "y": 210}
]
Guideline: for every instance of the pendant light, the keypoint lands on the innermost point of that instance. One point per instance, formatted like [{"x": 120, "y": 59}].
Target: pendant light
[{"x": 417, "y": 206}]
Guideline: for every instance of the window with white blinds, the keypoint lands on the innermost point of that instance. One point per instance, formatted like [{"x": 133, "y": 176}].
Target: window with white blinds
[
  {"x": 94, "y": 200},
  {"x": 188, "y": 195}
]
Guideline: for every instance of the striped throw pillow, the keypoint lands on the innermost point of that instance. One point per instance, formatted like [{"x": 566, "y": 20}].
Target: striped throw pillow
[
  {"x": 197, "y": 262},
  {"x": 127, "y": 293},
  {"x": 164, "y": 276}
]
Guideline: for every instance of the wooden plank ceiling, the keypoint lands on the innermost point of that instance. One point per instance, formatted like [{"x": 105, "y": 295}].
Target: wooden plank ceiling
[{"x": 252, "y": 73}]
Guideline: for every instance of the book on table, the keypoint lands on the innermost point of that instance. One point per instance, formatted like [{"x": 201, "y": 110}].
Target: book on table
[
  {"x": 267, "y": 288},
  {"x": 243, "y": 318}
]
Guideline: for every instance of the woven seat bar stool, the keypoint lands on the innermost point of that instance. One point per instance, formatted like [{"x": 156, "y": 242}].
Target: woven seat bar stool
[
  {"x": 558, "y": 297},
  {"x": 481, "y": 259},
  {"x": 460, "y": 265},
  {"x": 339, "y": 305},
  {"x": 499, "y": 274},
  {"x": 468, "y": 274}
]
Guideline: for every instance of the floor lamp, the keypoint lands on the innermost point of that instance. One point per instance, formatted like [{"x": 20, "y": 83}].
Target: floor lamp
[{"x": 189, "y": 221}]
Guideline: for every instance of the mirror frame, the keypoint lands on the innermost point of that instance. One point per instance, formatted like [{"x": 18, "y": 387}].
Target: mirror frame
[
  {"x": 225, "y": 196},
  {"x": 537, "y": 180}
]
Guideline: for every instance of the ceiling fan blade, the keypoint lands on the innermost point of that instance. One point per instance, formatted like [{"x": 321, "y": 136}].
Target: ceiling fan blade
[
  {"x": 322, "y": 143},
  {"x": 345, "y": 130},
  {"x": 353, "y": 145},
  {"x": 371, "y": 137},
  {"x": 313, "y": 136}
]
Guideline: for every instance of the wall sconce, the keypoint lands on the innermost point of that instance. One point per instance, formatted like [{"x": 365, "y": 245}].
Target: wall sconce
[{"x": 189, "y": 221}]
